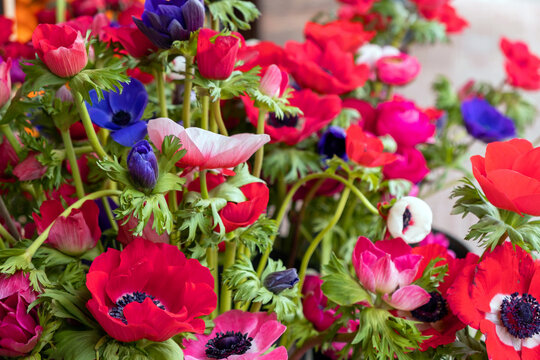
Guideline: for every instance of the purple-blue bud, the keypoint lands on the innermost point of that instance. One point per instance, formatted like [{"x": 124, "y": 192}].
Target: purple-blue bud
[
  {"x": 278, "y": 281},
  {"x": 142, "y": 165},
  {"x": 332, "y": 143}
]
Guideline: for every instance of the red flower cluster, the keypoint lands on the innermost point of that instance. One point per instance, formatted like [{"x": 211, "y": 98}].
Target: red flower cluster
[
  {"x": 149, "y": 291},
  {"x": 522, "y": 66},
  {"x": 442, "y": 11}
]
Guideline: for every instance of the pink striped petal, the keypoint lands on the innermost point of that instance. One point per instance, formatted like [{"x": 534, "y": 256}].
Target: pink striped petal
[{"x": 408, "y": 298}]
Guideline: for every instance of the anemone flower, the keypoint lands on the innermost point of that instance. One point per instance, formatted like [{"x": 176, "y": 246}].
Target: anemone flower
[
  {"x": 121, "y": 112},
  {"x": 205, "y": 149},
  {"x": 238, "y": 335}
]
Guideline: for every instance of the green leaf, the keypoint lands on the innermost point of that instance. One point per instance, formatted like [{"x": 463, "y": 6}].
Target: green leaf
[
  {"x": 104, "y": 79},
  {"x": 277, "y": 105},
  {"x": 75, "y": 344},
  {"x": 432, "y": 275},
  {"x": 290, "y": 162},
  {"x": 69, "y": 306},
  {"x": 428, "y": 32},
  {"x": 166, "y": 350},
  {"x": 39, "y": 76},
  {"x": 339, "y": 286},
  {"x": 171, "y": 153},
  {"x": 226, "y": 12},
  {"x": 258, "y": 235}
]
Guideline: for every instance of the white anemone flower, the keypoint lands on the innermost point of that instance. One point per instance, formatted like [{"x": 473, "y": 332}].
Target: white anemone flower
[{"x": 410, "y": 219}]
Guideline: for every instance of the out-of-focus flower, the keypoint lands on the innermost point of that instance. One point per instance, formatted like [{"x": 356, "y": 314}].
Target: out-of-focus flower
[
  {"x": 149, "y": 291},
  {"x": 407, "y": 124},
  {"x": 347, "y": 34},
  {"x": 142, "y": 165},
  {"x": 388, "y": 267},
  {"x": 125, "y": 235},
  {"x": 134, "y": 41},
  {"x": 435, "y": 238},
  {"x": 436, "y": 319},
  {"x": 327, "y": 70},
  {"x": 522, "y": 66},
  {"x": 314, "y": 304},
  {"x": 6, "y": 29},
  {"x": 272, "y": 81},
  {"x": 317, "y": 112},
  {"x": 74, "y": 234},
  {"x": 5, "y": 82},
  {"x": 238, "y": 335},
  {"x": 509, "y": 175},
  {"x": 397, "y": 69},
  {"x": 245, "y": 213},
  {"x": 410, "y": 164},
  {"x": 499, "y": 296},
  {"x": 216, "y": 54},
  {"x": 206, "y": 149},
  {"x": 332, "y": 143},
  {"x": 64, "y": 94},
  {"x": 366, "y": 149},
  {"x": 410, "y": 218},
  {"x": 30, "y": 168},
  {"x": 368, "y": 114},
  {"x": 370, "y": 53},
  {"x": 121, "y": 112},
  {"x": 278, "y": 281},
  {"x": 165, "y": 21},
  {"x": 485, "y": 122},
  {"x": 19, "y": 328},
  {"x": 61, "y": 48},
  {"x": 450, "y": 18}
]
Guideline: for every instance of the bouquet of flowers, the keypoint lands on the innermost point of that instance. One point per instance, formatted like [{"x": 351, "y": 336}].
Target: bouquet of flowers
[{"x": 171, "y": 190}]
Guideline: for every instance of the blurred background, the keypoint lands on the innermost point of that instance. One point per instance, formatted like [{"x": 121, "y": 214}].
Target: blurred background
[{"x": 474, "y": 54}]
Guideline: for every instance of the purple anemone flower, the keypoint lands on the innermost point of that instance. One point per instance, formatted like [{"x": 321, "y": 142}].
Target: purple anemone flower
[
  {"x": 142, "y": 165},
  {"x": 165, "y": 21},
  {"x": 121, "y": 112},
  {"x": 332, "y": 143},
  {"x": 486, "y": 123}
]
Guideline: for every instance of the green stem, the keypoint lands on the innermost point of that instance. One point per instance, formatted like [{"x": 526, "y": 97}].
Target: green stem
[
  {"x": 478, "y": 335},
  {"x": 256, "y": 307},
  {"x": 205, "y": 103},
  {"x": 6, "y": 235},
  {"x": 326, "y": 251},
  {"x": 160, "y": 87},
  {"x": 72, "y": 158},
  {"x": 260, "y": 153},
  {"x": 226, "y": 293},
  {"x": 212, "y": 260},
  {"x": 216, "y": 112},
  {"x": 60, "y": 11},
  {"x": 204, "y": 187},
  {"x": 31, "y": 250},
  {"x": 315, "y": 243},
  {"x": 11, "y": 138},
  {"x": 288, "y": 198},
  {"x": 6, "y": 215},
  {"x": 88, "y": 127},
  {"x": 188, "y": 85}
]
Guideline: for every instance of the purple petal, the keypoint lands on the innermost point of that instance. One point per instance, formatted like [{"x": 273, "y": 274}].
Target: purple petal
[{"x": 128, "y": 136}]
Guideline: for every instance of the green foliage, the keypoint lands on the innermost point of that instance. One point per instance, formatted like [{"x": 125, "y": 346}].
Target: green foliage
[
  {"x": 339, "y": 286},
  {"x": 383, "y": 336},
  {"x": 227, "y": 11},
  {"x": 39, "y": 76},
  {"x": 104, "y": 79},
  {"x": 278, "y": 105},
  {"x": 424, "y": 31},
  {"x": 247, "y": 287},
  {"x": 259, "y": 235},
  {"x": 234, "y": 86},
  {"x": 464, "y": 348},
  {"x": 291, "y": 163},
  {"x": 75, "y": 344},
  {"x": 346, "y": 117},
  {"x": 432, "y": 275}
]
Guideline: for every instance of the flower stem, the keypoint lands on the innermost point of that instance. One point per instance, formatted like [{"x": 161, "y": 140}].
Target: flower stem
[
  {"x": 6, "y": 235},
  {"x": 31, "y": 250},
  {"x": 87, "y": 123},
  {"x": 216, "y": 115},
  {"x": 259, "y": 155},
  {"x": 315, "y": 243},
  {"x": 204, "y": 187},
  {"x": 70, "y": 153},
  {"x": 212, "y": 260},
  {"x": 109, "y": 213},
  {"x": 205, "y": 101},
  {"x": 60, "y": 11},
  {"x": 290, "y": 194},
  {"x": 188, "y": 85},
  {"x": 11, "y": 227},
  {"x": 226, "y": 293},
  {"x": 11, "y": 138},
  {"x": 160, "y": 87}
]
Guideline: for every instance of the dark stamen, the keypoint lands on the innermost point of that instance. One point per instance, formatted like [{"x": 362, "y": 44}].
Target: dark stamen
[
  {"x": 406, "y": 219},
  {"x": 226, "y": 344},
  {"x": 521, "y": 315},
  {"x": 118, "y": 311},
  {"x": 288, "y": 121},
  {"x": 433, "y": 311},
  {"x": 121, "y": 118}
]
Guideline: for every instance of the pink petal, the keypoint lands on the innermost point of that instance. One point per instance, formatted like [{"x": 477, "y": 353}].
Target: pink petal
[
  {"x": 408, "y": 298},
  {"x": 386, "y": 275}
]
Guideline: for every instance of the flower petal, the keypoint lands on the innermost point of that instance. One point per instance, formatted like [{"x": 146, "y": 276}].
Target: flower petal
[{"x": 408, "y": 298}]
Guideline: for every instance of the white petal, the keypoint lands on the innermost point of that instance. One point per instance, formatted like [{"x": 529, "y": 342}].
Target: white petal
[{"x": 420, "y": 223}]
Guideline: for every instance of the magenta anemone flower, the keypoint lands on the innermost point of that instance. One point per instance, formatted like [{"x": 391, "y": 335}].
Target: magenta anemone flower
[
  {"x": 205, "y": 149},
  {"x": 239, "y": 335}
]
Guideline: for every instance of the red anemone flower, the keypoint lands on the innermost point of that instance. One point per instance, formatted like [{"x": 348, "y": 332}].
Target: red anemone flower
[
  {"x": 366, "y": 149},
  {"x": 347, "y": 34},
  {"x": 500, "y": 297},
  {"x": 318, "y": 111},
  {"x": 149, "y": 291},
  {"x": 245, "y": 213},
  {"x": 522, "y": 66}
]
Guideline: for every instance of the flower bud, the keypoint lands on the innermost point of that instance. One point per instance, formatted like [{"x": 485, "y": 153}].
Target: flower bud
[
  {"x": 5, "y": 82},
  {"x": 278, "y": 281},
  {"x": 142, "y": 165},
  {"x": 61, "y": 48},
  {"x": 64, "y": 94},
  {"x": 271, "y": 81},
  {"x": 216, "y": 56},
  {"x": 410, "y": 219}
]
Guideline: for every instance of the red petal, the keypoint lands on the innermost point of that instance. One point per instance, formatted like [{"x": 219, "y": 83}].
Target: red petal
[
  {"x": 501, "y": 155},
  {"x": 460, "y": 300}
]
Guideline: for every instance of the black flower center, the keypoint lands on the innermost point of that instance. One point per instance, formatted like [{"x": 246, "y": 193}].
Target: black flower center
[
  {"x": 521, "y": 315},
  {"x": 121, "y": 118},
  {"x": 226, "y": 344},
  {"x": 118, "y": 311},
  {"x": 333, "y": 145},
  {"x": 406, "y": 219},
  {"x": 288, "y": 121},
  {"x": 433, "y": 311}
]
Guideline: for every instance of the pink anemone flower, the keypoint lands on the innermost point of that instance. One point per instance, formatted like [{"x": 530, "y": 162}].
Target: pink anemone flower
[
  {"x": 239, "y": 335},
  {"x": 205, "y": 149}
]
